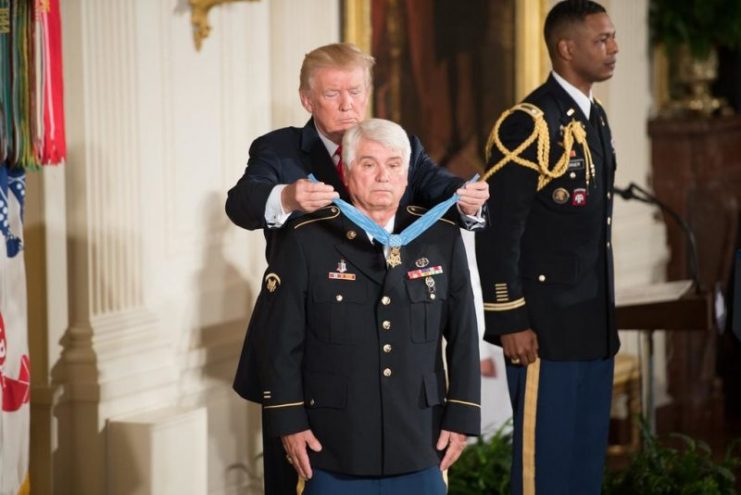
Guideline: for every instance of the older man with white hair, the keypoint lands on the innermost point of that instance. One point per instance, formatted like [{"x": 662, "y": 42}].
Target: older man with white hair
[{"x": 353, "y": 374}]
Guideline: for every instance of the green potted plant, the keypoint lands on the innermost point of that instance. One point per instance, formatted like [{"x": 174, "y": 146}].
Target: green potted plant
[
  {"x": 691, "y": 31},
  {"x": 484, "y": 467},
  {"x": 659, "y": 469}
]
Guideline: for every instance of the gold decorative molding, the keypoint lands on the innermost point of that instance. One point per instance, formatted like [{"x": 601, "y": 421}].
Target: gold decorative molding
[
  {"x": 531, "y": 55},
  {"x": 356, "y": 29},
  {"x": 199, "y": 18},
  {"x": 356, "y": 23}
]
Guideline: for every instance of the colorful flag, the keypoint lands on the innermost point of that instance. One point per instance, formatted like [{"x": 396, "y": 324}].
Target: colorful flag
[{"x": 15, "y": 372}]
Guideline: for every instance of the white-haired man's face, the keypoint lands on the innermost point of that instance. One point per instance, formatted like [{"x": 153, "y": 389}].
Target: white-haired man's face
[{"x": 376, "y": 179}]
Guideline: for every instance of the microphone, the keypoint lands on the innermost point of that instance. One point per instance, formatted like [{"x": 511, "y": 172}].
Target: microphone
[{"x": 636, "y": 192}]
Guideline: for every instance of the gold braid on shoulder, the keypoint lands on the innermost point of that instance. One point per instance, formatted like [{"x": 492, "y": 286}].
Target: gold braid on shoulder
[{"x": 572, "y": 133}]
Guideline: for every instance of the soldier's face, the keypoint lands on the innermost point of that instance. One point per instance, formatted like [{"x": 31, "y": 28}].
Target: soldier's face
[
  {"x": 377, "y": 178},
  {"x": 594, "y": 49},
  {"x": 337, "y": 99}
]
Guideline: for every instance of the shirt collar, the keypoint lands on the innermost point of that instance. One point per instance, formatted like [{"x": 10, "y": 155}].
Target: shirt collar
[
  {"x": 328, "y": 143},
  {"x": 583, "y": 101},
  {"x": 389, "y": 227}
]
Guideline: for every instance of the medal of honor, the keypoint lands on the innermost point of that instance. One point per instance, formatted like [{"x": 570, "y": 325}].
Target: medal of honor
[{"x": 394, "y": 258}]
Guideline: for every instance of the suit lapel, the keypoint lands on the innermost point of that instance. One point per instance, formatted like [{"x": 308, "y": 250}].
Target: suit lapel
[{"x": 317, "y": 160}]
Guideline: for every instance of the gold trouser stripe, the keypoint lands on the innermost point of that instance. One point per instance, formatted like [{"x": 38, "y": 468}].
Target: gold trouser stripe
[
  {"x": 300, "y": 485},
  {"x": 529, "y": 415},
  {"x": 518, "y": 303},
  {"x": 278, "y": 406},
  {"x": 465, "y": 403}
]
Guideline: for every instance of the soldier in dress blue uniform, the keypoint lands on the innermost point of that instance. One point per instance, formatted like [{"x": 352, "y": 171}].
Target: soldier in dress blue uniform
[
  {"x": 335, "y": 83},
  {"x": 546, "y": 261},
  {"x": 352, "y": 371}
]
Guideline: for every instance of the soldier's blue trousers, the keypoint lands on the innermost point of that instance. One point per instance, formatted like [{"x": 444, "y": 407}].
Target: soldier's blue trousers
[
  {"x": 561, "y": 421},
  {"x": 426, "y": 482}
]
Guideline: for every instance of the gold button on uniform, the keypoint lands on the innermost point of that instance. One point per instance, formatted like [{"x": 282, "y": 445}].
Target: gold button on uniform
[
  {"x": 387, "y": 348},
  {"x": 608, "y": 244},
  {"x": 386, "y": 325},
  {"x": 387, "y": 372},
  {"x": 609, "y": 195},
  {"x": 609, "y": 220},
  {"x": 432, "y": 296},
  {"x": 572, "y": 175},
  {"x": 385, "y": 300},
  {"x": 339, "y": 297},
  {"x": 311, "y": 402},
  {"x": 541, "y": 278}
]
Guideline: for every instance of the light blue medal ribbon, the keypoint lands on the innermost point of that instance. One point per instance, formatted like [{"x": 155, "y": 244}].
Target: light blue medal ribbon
[{"x": 395, "y": 241}]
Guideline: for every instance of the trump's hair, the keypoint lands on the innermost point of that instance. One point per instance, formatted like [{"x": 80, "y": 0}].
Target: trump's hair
[{"x": 336, "y": 56}]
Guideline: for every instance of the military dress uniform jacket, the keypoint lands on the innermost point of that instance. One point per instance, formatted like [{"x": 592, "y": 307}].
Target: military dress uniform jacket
[
  {"x": 546, "y": 261},
  {"x": 354, "y": 351},
  {"x": 286, "y": 155}
]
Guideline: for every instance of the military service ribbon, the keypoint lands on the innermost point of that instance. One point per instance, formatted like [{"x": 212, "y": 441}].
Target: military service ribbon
[{"x": 395, "y": 241}]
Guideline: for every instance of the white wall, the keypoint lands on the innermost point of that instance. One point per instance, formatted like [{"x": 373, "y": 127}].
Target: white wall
[
  {"x": 639, "y": 236},
  {"x": 161, "y": 285}
]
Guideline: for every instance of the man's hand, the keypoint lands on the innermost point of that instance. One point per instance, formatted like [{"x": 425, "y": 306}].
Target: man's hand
[
  {"x": 306, "y": 196},
  {"x": 520, "y": 347},
  {"x": 295, "y": 446},
  {"x": 472, "y": 197},
  {"x": 453, "y": 444},
  {"x": 488, "y": 368}
]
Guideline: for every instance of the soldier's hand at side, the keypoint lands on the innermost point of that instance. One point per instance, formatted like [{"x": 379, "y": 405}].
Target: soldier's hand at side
[
  {"x": 520, "y": 347},
  {"x": 295, "y": 446},
  {"x": 453, "y": 444},
  {"x": 488, "y": 368},
  {"x": 306, "y": 196},
  {"x": 472, "y": 197}
]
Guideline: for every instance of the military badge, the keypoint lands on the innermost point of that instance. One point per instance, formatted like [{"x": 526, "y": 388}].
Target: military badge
[
  {"x": 422, "y": 262},
  {"x": 430, "y": 283},
  {"x": 427, "y": 272},
  {"x": 272, "y": 282},
  {"x": 560, "y": 196},
  {"x": 579, "y": 198},
  {"x": 341, "y": 274}
]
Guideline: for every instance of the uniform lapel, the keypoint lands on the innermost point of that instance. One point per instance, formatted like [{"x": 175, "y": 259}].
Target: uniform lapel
[
  {"x": 317, "y": 160},
  {"x": 358, "y": 250},
  {"x": 566, "y": 103}
]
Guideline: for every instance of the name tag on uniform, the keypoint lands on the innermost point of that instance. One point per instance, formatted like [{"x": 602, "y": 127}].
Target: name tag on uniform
[
  {"x": 427, "y": 272},
  {"x": 576, "y": 164}
]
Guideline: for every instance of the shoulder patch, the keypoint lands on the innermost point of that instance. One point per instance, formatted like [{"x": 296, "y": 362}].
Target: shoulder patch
[
  {"x": 418, "y": 211},
  {"x": 326, "y": 213}
]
